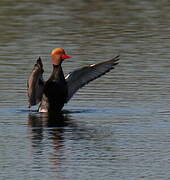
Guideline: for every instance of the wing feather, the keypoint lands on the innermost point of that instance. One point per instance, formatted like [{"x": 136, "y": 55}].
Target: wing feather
[
  {"x": 84, "y": 75},
  {"x": 35, "y": 84}
]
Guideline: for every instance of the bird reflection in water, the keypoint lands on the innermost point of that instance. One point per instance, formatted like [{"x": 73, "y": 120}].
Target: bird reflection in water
[{"x": 47, "y": 131}]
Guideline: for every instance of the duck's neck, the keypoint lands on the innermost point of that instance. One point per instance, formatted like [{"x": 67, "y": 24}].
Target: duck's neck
[{"x": 57, "y": 73}]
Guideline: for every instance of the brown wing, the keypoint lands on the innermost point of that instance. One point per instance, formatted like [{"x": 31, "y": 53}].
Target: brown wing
[
  {"x": 84, "y": 75},
  {"x": 35, "y": 84}
]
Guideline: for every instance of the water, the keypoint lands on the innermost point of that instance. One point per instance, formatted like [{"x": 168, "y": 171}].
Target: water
[{"x": 118, "y": 126}]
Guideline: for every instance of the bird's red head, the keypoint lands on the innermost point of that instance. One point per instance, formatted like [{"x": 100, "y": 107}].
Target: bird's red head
[{"x": 58, "y": 55}]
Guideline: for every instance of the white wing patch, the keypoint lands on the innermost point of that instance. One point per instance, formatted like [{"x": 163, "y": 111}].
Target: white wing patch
[{"x": 92, "y": 65}]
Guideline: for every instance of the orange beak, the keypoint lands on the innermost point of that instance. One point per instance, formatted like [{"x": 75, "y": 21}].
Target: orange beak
[{"x": 65, "y": 56}]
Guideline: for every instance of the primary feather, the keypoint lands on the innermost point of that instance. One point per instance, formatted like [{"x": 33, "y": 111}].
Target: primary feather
[
  {"x": 80, "y": 77},
  {"x": 35, "y": 84}
]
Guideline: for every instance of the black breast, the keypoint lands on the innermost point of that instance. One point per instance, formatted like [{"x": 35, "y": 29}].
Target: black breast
[{"x": 55, "y": 90}]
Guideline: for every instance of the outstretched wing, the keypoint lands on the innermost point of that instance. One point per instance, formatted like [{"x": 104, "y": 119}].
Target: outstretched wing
[
  {"x": 84, "y": 75},
  {"x": 35, "y": 84}
]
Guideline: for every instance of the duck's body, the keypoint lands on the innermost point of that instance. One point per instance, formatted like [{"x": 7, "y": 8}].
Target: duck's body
[
  {"x": 55, "y": 91},
  {"x": 58, "y": 90}
]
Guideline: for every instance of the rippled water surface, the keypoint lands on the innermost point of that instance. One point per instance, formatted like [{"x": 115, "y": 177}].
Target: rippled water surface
[{"x": 117, "y": 127}]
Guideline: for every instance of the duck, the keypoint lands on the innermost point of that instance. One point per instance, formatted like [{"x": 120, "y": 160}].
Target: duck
[{"x": 53, "y": 94}]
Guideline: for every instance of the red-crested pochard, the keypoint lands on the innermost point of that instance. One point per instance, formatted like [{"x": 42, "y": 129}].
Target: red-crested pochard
[{"x": 58, "y": 90}]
